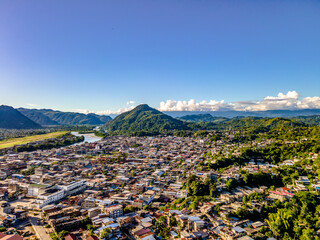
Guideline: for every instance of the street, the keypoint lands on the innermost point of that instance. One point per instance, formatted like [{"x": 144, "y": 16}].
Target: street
[{"x": 39, "y": 229}]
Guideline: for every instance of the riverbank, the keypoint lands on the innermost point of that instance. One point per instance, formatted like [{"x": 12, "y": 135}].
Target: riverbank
[{"x": 88, "y": 137}]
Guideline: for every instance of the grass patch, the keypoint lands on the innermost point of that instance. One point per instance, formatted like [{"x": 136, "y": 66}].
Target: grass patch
[{"x": 24, "y": 140}]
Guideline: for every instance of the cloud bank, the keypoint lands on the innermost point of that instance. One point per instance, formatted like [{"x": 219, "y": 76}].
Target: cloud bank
[
  {"x": 289, "y": 101},
  {"x": 129, "y": 106}
]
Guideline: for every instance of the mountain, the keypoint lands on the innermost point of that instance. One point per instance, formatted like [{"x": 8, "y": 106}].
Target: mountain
[
  {"x": 202, "y": 118},
  {"x": 145, "y": 120},
  {"x": 103, "y": 118},
  {"x": 12, "y": 119},
  {"x": 232, "y": 114},
  {"x": 52, "y": 117},
  {"x": 38, "y": 117}
]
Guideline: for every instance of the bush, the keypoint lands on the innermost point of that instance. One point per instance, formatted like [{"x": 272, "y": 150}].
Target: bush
[
  {"x": 53, "y": 236},
  {"x": 62, "y": 234}
]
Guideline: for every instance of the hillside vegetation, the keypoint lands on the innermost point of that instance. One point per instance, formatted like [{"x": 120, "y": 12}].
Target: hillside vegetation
[
  {"x": 50, "y": 117},
  {"x": 143, "y": 120},
  {"x": 203, "y": 118},
  {"x": 11, "y": 118},
  {"x": 261, "y": 123}
]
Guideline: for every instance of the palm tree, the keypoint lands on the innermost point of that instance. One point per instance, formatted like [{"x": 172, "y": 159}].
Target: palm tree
[{"x": 280, "y": 222}]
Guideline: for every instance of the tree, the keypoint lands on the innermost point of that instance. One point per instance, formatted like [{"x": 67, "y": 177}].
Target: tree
[
  {"x": 161, "y": 227},
  {"x": 105, "y": 233},
  {"x": 148, "y": 207},
  {"x": 280, "y": 222},
  {"x": 62, "y": 234},
  {"x": 193, "y": 205},
  {"x": 231, "y": 184},
  {"x": 173, "y": 221}
]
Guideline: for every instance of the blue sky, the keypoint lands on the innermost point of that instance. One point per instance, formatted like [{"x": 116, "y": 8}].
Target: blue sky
[{"x": 98, "y": 55}]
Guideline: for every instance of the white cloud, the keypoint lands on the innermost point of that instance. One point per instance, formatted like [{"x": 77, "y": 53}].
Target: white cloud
[
  {"x": 131, "y": 102},
  {"x": 32, "y": 105},
  {"x": 309, "y": 102},
  {"x": 129, "y": 106},
  {"x": 282, "y": 101},
  {"x": 192, "y": 105},
  {"x": 290, "y": 100}
]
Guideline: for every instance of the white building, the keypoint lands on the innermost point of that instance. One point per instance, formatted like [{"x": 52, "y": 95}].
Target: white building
[
  {"x": 59, "y": 192},
  {"x": 50, "y": 196},
  {"x": 37, "y": 189}
]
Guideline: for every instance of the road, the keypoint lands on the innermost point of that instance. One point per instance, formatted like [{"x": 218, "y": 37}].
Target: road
[{"x": 39, "y": 229}]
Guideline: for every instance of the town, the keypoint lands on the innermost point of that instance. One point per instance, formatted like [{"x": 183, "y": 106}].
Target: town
[{"x": 140, "y": 188}]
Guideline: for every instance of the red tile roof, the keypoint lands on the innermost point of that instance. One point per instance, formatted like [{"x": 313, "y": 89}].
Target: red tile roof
[
  {"x": 70, "y": 236},
  {"x": 142, "y": 232}
]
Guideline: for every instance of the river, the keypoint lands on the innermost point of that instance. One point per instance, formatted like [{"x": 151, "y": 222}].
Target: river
[{"x": 88, "y": 137}]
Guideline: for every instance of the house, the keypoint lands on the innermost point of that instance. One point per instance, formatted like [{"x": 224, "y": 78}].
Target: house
[
  {"x": 92, "y": 237},
  {"x": 143, "y": 233},
  {"x": 200, "y": 235},
  {"x": 138, "y": 203},
  {"x": 303, "y": 180},
  {"x": 92, "y": 212},
  {"x": 195, "y": 223},
  {"x": 10, "y": 237},
  {"x": 114, "y": 211},
  {"x": 88, "y": 203},
  {"x": 70, "y": 236}
]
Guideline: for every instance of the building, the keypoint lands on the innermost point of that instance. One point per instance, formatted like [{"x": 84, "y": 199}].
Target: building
[
  {"x": 114, "y": 211},
  {"x": 35, "y": 190},
  {"x": 50, "y": 196},
  {"x": 74, "y": 187},
  {"x": 56, "y": 193}
]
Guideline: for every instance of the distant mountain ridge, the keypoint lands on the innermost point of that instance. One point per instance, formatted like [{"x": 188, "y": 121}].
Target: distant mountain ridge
[
  {"x": 143, "y": 119},
  {"x": 47, "y": 117},
  {"x": 202, "y": 118},
  {"x": 11, "y": 118},
  {"x": 232, "y": 114}
]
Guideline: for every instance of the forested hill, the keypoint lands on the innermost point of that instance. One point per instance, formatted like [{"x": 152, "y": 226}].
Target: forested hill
[
  {"x": 263, "y": 123},
  {"x": 51, "y": 117},
  {"x": 311, "y": 120},
  {"x": 11, "y": 118},
  {"x": 38, "y": 117},
  {"x": 143, "y": 120},
  {"x": 202, "y": 118}
]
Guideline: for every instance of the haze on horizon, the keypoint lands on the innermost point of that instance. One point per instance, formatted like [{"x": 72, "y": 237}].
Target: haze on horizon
[{"x": 109, "y": 56}]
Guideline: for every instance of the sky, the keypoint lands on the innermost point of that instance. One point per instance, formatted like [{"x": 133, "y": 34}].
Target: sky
[{"x": 109, "y": 55}]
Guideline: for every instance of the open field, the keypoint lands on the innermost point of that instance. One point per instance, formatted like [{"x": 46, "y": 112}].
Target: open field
[{"x": 24, "y": 140}]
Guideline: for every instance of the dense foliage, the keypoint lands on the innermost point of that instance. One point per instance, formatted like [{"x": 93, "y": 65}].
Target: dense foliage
[
  {"x": 202, "y": 118},
  {"x": 11, "y": 118},
  {"x": 260, "y": 124},
  {"x": 143, "y": 121},
  {"x": 297, "y": 219}
]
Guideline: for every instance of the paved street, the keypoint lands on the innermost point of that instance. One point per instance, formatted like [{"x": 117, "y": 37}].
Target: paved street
[{"x": 39, "y": 229}]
